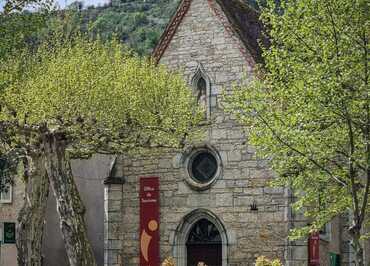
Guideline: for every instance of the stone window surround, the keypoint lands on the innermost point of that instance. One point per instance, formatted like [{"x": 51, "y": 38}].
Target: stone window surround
[
  {"x": 10, "y": 193},
  {"x": 187, "y": 159},
  {"x": 326, "y": 234},
  {"x": 201, "y": 73},
  {"x": 182, "y": 231}
]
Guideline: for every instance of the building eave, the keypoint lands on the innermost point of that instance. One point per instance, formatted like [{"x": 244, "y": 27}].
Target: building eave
[
  {"x": 170, "y": 30},
  {"x": 249, "y": 30}
]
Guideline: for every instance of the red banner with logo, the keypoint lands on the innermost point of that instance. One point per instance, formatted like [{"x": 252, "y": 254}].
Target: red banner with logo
[
  {"x": 149, "y": 221},
  {"x": 314, "y": 249}
]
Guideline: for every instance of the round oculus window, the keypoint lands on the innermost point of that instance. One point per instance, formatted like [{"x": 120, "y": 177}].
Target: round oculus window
[{"x": 203, "y": 167}]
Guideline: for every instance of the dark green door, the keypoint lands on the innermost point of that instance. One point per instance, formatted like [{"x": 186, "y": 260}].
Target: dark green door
[{"x": 334, "y": 259}]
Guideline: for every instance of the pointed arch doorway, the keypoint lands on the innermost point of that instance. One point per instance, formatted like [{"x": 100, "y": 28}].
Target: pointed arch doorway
[
  {"x": 204, "y": 244},
  {"x": 200, "y": 237}
]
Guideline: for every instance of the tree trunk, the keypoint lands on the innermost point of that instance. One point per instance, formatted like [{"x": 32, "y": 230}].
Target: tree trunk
[
  {"x": 31, "y": 218},
  {"x": 69, "y": 205},
  {"x": 355, "y": 233},
  {"x": 359, "y": 251}
]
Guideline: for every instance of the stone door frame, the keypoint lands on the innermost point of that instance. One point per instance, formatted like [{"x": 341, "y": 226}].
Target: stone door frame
[{"x": 183, "y": 230}]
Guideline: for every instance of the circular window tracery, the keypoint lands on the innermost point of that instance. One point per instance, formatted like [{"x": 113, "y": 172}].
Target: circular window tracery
[{"x": 203, "y": 167}]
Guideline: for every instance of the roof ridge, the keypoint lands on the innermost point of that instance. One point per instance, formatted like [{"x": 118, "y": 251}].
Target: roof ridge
[{"x": 242, "y": 19}]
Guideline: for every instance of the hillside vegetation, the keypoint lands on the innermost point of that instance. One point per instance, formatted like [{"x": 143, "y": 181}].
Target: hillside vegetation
[{"x": 137, "y": 23}]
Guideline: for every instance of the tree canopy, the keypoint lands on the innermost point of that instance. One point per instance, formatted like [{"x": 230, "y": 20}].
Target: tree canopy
[
  {"x": 20, "y": 5},
  {"x": 99, "y": 94},
  {"x": 308, "y": 113},
  {"x": 74, "y": 97}
]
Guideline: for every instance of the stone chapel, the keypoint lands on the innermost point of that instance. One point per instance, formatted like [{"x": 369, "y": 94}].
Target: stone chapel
[
  {"x": 214, "y": 202},
  {"x": 209, "y": 202}
]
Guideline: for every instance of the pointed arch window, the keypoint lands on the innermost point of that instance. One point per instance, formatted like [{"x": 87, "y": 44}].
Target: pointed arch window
[
  {"x": 202, "y": 92},
  {"x": 202, "y": 89}
]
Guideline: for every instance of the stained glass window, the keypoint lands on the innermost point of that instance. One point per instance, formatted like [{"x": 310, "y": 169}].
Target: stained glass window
[{"x": 203, "y": 167}]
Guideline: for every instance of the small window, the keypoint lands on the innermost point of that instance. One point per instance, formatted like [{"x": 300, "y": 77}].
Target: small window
[
  {"x": 9, "y": 233},
  {"x": 325, "y": 232},
  {"x": 202, "y": 92},
  {"x": 6, "y": 194},
  {"x": 201, "y": 87},
  {"x": 203, "y": 167}
]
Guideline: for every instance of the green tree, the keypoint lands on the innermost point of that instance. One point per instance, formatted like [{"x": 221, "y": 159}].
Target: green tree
[
  {"x": 80, "y": 97},
  {"x": 263, "y": 261},
  {"x": 308, "y": 113},
  {"x": 19, "y": 31},
  {"x": 19, "y": 162},
  {"x": 19, "y": 5}
]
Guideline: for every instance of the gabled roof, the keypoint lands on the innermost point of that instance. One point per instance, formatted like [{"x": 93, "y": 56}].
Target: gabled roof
[{"x": 243, "y": 21}]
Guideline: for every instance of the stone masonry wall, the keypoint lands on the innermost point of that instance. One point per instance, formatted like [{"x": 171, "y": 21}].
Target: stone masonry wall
[
  {"x": 202, "y": 39},
  {"x": 9, "y": 213}
]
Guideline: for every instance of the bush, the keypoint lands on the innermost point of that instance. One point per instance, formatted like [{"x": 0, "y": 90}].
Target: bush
[
  {"x": 263, "y": 261},
  {"x": 168, "y": 262}
]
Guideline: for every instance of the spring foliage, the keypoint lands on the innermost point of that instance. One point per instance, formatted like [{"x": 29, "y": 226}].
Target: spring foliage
[
  {"x": 75, "y": 97},
  {"x": 168, "y": 262},
  {"x": 101, "y": 96},
  {"x": 308, "y": 114},
  {"x": 263, "y": 261}
]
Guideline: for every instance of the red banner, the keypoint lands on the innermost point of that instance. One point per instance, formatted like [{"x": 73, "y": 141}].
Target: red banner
[
  {"x": 314, "y": 249},
  {"x": 149, "y": 221}
]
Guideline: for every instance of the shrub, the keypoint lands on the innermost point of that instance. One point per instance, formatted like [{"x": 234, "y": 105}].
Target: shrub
[
  {"x": 263, "y": 261},
  {"x": 168, "y": 262}
]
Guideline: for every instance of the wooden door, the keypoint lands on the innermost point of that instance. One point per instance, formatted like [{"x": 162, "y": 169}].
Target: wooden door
[
  {"x": 204, "y": 244},
  {"x": 210, "y": 254}
]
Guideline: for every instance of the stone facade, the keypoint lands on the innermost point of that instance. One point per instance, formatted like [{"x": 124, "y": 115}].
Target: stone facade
[
  {"x": 252, "y": 218},
  {"x": 9, "y": 214},
  {"x": 202, "y": 44}
]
